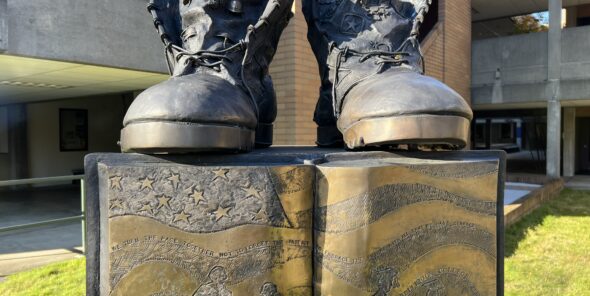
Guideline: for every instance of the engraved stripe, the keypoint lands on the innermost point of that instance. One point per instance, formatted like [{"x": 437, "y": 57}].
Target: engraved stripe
[
  {"x": 363, "y": 210},
  {"x": 402, "y": 252},
  {"x": 457, "y": 170},
  {"x": 452, "y": 281},
  {"x": 240, "y": 264}
]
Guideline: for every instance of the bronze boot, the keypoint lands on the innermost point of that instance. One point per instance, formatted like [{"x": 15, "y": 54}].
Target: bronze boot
[
  {"x": 370, "y": 62},
  {"x": 220, "y": 96}
]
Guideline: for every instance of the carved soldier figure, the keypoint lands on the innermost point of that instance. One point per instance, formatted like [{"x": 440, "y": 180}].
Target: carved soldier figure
[
  {"x": 385, "y": 279},
  {"x": 220, "y": 96},
  {"x": 269, "y": 289},
  {"x": 435, "y": 288},
  {"x": 373, "y": 89},
  {"x": 216, "y": 285}
]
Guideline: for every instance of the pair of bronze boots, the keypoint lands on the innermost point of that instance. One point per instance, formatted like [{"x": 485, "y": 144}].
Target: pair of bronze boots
[{"x": 221, "y": 97}]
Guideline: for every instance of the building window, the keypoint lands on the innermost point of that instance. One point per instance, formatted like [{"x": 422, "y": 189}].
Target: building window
[
  {"x": 583, "y": 21},
  {"x": 73, "y": 130}
]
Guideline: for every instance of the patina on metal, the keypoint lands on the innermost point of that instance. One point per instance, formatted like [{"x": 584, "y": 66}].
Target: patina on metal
[
  {"x": 406, "y": 226},
  {"x": 200, "y": 230},
  {"x": 373, "y": 88},
  {"x": 295, "y": 222},
  {"x": 220, "y": 95}
]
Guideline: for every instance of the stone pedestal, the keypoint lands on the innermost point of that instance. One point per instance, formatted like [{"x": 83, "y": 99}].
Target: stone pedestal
[{"x": 295, "y": 221}]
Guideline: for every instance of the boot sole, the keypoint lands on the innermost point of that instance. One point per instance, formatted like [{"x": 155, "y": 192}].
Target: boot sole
[
  {"x": 182, "y": 137},
  {"x": 409, "y": 129}
]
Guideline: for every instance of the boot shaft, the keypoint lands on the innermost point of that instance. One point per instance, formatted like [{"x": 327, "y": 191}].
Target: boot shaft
[
  {"x": 355, "y": 39},
  {"x": 363, "y": 25},
  {"x": 218, "y": 24}
]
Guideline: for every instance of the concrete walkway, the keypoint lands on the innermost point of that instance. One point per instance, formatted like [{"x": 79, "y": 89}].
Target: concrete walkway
[
  {"x": 25, "y": 249},
  {"x": 580, "y": 182},
  {"x": 17, "y": 262}
]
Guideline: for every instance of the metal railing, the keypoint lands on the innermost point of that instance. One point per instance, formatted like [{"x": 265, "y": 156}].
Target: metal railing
[{"x": 81, "y": 217}]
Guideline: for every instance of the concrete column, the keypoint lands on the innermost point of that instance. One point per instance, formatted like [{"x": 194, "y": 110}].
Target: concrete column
[
  {"x": 17, "y": 141},
  {"x": 569, "y": 142},
  {"x": 488, "y": 134},
  {"x": 519, "y": 133},
  {"x": 553, "y": 92},
  {"x": 3, "y": 25}
]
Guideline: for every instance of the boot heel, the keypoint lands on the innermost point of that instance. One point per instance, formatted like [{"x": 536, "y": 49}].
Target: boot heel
[
  {"x": 264, "y": 135},
  {"x": 329, "y": 137}
]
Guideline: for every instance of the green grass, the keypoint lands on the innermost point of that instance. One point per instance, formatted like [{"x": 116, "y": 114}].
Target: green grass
[
  {"x": 548, "y": 252},
  {"x": 63, "y": 278}
]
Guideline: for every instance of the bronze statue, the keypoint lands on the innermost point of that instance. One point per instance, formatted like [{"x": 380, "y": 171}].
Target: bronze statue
[
  {"x": 373, "y": 88},
  {"x": 220, "y": 96}
]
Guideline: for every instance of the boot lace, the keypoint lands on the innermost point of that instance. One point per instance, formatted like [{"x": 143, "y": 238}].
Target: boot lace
[
  {"x": 395, "y": 58},
  {"x": 208, "y": 58}
]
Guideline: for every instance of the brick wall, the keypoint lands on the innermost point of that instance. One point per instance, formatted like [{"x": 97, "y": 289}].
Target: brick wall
[
  {"x": 447, "y": 52},
  {"x": 296, "y": 79}
]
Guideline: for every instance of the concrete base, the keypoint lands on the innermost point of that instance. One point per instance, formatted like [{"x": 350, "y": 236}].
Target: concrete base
[
  {"x": 241, "y": 224},
  {"x": 522, "y": 207}
]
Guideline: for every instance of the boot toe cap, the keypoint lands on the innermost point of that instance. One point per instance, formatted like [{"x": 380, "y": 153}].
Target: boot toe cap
[
  {"x": 401, "y": 94},
  {"x": 195, "y": 98}
]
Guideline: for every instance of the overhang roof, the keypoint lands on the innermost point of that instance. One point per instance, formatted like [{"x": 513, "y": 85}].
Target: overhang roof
[{"x": 487, "y": 9}]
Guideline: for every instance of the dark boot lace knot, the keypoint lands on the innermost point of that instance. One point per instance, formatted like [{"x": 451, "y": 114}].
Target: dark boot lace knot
[{"x": 208, "y": 58}]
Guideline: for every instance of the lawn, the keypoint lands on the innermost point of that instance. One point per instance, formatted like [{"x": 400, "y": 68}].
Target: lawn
[
  {"x": 547, "y": 253},
  {"x": 64, "y": 278}
]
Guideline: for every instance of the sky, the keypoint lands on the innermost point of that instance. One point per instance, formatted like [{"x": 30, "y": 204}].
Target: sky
[{"x": 543, "y": 17}]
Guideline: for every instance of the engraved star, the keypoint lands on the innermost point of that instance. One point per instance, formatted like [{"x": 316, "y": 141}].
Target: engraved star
[
  {"x": 197, "y": 196},
  {"x": 351, "y": 25},
  {"x": 163, "y": 201},
  {"x": 251, "y": 191},
  {"x": 146, "y": 183},
  {"x": 174, "y": 179},
  {"x": 182, "y": 216},
  {"x": 147, "y": 208},
  {"x": 220, "y": 173},
  {"x": 221, "y": 212},
  {"x": 116, "y": 182},
  {"x": 261, "y": 215},
  {"x": 117, "y": 203}
]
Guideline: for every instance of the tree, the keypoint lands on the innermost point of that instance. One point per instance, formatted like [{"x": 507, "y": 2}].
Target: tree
[{"x": 528, "y": 24}]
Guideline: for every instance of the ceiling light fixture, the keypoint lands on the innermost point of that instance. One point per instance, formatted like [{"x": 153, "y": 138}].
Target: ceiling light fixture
[{"x": 33, "y": 84}]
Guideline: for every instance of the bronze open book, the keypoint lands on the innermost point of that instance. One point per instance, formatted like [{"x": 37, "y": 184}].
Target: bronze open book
[{"x": 296, "y": 224}]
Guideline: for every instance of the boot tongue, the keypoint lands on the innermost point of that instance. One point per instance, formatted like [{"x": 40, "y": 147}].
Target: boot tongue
[
  {"x": 214, "y": 27},
  {"x": 366, "y": 25}
]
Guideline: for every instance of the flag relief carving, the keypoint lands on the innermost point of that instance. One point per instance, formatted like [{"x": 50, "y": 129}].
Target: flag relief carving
[
  {"x": 411, "y": 228},
  {"x": 209, "y": 230},
  {"x": 379, "y": 224}
]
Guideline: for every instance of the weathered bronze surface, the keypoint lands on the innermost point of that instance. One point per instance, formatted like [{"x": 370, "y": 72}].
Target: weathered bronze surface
[
  {"x": 405, "y": 226},
  {"x": 383, "y": 224},
  {"x": 220, "y": 95},
  {"x": 373, "y": 87},
  {"x": 208, "y": 230}
]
